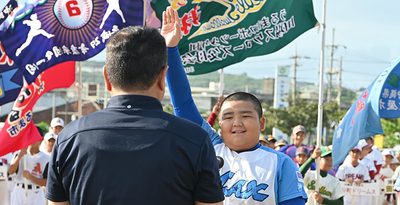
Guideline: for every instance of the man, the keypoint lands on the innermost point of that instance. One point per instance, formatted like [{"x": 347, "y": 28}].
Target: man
[
  {"x": 374, "y": 154},
  {"x": 30, "y": 166},
  {"x": 298, "y": 135},
  {"x": 132, "y": 152},
  {"x": 251, "y": 173}
]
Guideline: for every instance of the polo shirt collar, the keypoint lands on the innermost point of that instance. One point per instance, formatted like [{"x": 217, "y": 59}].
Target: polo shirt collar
[{"x": 134, "y": 102}]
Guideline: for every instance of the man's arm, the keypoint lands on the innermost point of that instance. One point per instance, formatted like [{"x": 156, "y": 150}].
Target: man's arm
[{"x": 15, "y": 162}]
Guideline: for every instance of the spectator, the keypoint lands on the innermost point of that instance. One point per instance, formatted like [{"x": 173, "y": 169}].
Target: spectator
[
  {"x": 281, "y": 143},
  {"x": 298, "y": 135},
  {"x": 271, "y": 141},
  {"x": 132, "y": 152},
  {"x": 56, "y": 125}
]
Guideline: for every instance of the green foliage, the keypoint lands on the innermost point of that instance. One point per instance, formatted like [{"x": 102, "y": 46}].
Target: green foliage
[
  {"x": 44, "y": 126},
  {"x": 391, "y": 130},
  {"x": 303, "y": 112}
]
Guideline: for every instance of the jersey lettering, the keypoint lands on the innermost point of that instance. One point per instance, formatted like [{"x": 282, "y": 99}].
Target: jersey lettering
[{"x": 242, "y": 191}]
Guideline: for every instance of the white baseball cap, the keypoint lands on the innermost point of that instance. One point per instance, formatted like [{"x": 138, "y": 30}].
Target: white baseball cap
[
  {"x": 57, "y": 122},
  {"x": 388, "y": 152},
  {"x": 363, "y": 143},
  {"x": 50, "y": 135}
]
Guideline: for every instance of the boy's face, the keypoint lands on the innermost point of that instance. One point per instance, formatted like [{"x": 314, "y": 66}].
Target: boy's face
[
  {"x": 301, "y": 158},
  {"x": 240, "y": 125},
  {"x": 326, "y": 163},
  {"x": 355, "y": 154}
]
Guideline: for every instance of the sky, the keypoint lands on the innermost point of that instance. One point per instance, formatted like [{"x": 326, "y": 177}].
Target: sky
[{"x": 367, "y": 33}]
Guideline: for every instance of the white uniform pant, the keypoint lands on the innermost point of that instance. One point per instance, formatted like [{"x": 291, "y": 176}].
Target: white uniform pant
[{"x": 33, "y": 196}]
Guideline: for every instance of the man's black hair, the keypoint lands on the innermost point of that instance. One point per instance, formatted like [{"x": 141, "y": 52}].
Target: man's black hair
[{"x": 135, "y": 57}]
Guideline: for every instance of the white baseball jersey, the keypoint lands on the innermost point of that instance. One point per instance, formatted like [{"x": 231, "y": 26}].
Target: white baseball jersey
[
  {"x": 36, "y": 165},
  {"x": 359, "y": 172},
  {"x": 330, "y": 186},
  {"x": 258, "y": 176},
  {"x": 4, "y": 183}
]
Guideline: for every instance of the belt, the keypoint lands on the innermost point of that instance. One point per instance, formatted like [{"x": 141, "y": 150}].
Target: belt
[{"x": 29, "y": 186}]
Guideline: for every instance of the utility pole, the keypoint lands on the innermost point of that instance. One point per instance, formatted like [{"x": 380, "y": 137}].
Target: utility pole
[
  {"x": 294, "y": 77},
  {"x": 339, "y": 95},
  {"x": 330, "y": 73}
]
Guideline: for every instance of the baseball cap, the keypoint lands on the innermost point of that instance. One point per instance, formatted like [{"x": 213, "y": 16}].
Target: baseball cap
[
  {"x": 49, "y": 136},
  {"x": 388, "y": 152},
  {"x": 395, "y": 161},
  {"x": 271, "y": 138},
  {"x": 363, "y": 143},
  {"x": 325, "y": 151},
  {"x": 262, "y": 138},
  {"x": 57, "y": 122},
  {"x": 357, "y": 147},
  {"x": 299, "y": 128},
  {"x": 281, "y": 142},
  {"x": 302, "y": 150}
]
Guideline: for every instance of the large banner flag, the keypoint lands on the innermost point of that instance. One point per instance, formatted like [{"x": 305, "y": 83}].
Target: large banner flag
[
  {"x": 380, "y": 100},
  {"x": 19, "y": 130},
  {"x": 10, "y": 78},
  {"x": 220, "y": 33},
  {"x": 41, "y": 33}
]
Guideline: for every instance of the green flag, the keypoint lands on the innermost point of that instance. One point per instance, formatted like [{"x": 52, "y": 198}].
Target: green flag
[{"x": 218, "y": 33}]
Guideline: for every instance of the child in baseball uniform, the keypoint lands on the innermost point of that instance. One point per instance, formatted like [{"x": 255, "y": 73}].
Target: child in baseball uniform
[
  {"x": 251, "y": 173},
  {"x": 330, "y": 190},
  {"x": 31, "y": 175},
  {"x": 354, "y": 173}
]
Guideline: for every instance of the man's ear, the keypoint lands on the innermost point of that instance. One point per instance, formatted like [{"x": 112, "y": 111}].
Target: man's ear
[
  {"x": 263, "y": 120},
  {"x": 161, "y": 78},
  {"x": 106, "y": 79}
]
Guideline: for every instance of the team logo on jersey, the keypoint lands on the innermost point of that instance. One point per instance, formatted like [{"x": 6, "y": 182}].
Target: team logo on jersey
[{"x": 242, "y": 189}]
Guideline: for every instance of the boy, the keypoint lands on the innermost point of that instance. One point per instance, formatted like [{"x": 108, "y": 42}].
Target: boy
[
  {"x": 251, "y": 173},
  {"x": 330, "y": 190}
]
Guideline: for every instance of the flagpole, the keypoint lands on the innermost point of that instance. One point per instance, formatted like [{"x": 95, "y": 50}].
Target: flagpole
[
  {"x": 221, "y": 83},
  {"x": 144, "y": 11},
  {"x": 321, "y": 90}
]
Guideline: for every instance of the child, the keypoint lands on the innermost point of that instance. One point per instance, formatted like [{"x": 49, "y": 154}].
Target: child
[
  {"x": 330, "y": 190},
  {"x": 251, "y": 173}
]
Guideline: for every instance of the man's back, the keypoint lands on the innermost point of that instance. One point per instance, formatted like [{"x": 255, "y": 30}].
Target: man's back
[{"x": 133, "y": 153}]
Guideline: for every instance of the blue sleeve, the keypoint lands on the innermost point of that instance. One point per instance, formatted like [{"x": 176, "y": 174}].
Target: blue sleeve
[
  {"x": 284, "y": 148},
  {"x": 212, "y": 134},
  {"x": 290, "y": 181},
  {"x": 295, "y": 201},
  {"x": 179, "y": 89}
]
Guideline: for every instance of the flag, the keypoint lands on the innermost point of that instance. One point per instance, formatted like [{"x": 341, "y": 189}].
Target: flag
[
  {"x": 10, "y": 78},
  {"x": 220, "y": 33},
  {"x": 380, "y": 100},
  {"x": 42, "y": 33},
  {"x": 19, "y": 130}
]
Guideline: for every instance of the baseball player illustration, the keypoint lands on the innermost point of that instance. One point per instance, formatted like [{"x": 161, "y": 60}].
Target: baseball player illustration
[
  {"x": 24, "y": 8},
  {"x": 36, "y": 26},
  {"x": 113, "y": 5}
]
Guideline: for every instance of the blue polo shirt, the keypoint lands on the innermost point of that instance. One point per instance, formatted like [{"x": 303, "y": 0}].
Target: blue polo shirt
[{"x": 133, "y": 153}]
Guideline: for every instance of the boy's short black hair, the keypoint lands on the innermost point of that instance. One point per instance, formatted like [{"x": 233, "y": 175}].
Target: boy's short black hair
[{"x": 244, "y": 96}]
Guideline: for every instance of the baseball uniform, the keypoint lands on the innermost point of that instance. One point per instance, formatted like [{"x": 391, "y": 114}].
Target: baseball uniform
[
  {"x": 330, "y": 186},
  {"x": 25, "y": 191},
  {"x": 256, "y": 176}
]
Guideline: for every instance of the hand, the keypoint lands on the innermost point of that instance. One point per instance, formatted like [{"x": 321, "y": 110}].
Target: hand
[
  {"x": 316, "y": 153},
  {"x": 358, "y": 181},
  {"x": 349, "y": 180},
  {"x": 171, "y": 27},
  {"x": 217, "y": 105},
  {"x": 27, "y": 174},
  {"x": 22, "y": 152},
  {"x": 317, "y": 197}
]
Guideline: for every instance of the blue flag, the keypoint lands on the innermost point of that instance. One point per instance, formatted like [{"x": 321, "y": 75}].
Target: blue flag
[
  {"x": 10, "y": 78},
  {"x": 380, "y": 100},
  {"x": 42, "y": 33}
]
